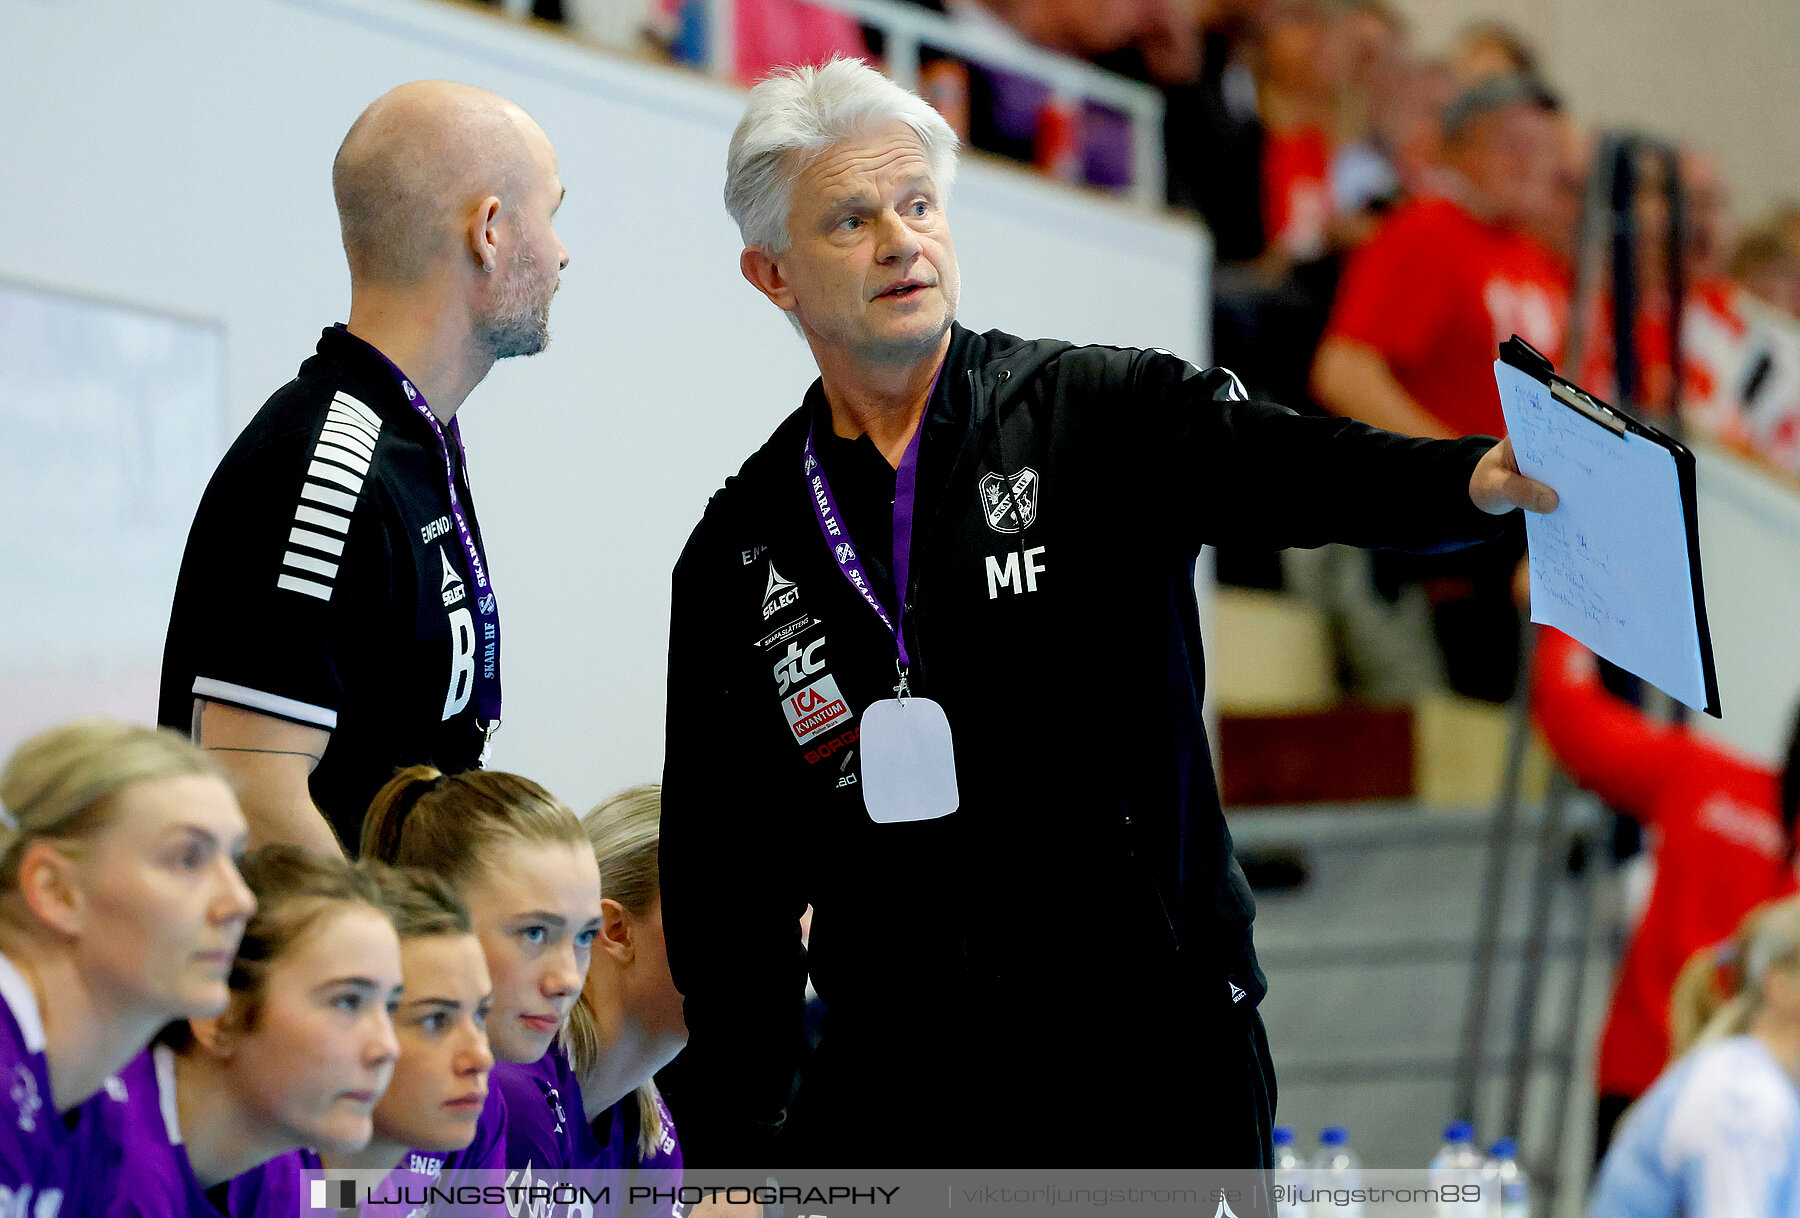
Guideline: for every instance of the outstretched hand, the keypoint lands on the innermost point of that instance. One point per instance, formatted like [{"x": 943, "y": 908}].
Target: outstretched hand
[{"x": 1497, "y": 486}]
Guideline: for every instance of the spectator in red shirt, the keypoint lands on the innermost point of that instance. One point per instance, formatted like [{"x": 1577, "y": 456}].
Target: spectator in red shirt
[
  {"x": 1302, "y": 72},
  {"x": 1411, "y": 343},
  {"x": 1723, "y": 828},
  {"x": 1423, "y": 306}
]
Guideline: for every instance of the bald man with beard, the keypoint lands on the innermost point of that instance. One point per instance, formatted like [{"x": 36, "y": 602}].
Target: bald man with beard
[{"x": 334, "y": 618}]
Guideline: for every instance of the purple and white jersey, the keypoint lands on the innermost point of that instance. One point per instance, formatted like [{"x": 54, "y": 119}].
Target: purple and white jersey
[
  {"x": 157, "y": 1177},
  {"x": 277, "y": 1189},
  {"x": 620, "y": 1153},
  {"x": 280, "y": 1188},
  {"x": 420, "y": 1168},
  {"x": 48, "y": 1161},
  {"x": 546, "y": 1126}
]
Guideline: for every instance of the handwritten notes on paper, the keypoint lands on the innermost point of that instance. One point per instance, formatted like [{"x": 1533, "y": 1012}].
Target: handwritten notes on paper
[{"x": 1610, "y": 566}]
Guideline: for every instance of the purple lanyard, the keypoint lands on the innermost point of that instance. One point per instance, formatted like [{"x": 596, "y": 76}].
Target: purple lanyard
[
  {"x": 487, "y": 610},
  {"x": 837, "y": 535}
]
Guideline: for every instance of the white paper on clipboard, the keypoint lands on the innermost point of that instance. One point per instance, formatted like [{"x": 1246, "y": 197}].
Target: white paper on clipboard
[{"x": 1609, "y": 567}]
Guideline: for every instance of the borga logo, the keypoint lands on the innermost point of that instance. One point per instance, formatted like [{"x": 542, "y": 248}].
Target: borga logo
[
  {"x": 779, "y": 594},
  {"x": 818, "y": 708}
]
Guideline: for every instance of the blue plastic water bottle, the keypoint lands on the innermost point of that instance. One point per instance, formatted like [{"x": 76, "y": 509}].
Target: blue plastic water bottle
[
  {"x": 1503, "y": 1175},
  {"x": 1343, "y": 1169},
  {"x": 1456, "y": 1166},
  {"x": 1288, "y": 1169}
]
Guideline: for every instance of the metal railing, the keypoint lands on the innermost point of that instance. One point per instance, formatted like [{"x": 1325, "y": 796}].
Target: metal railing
[{"x": 907, "y": 30}]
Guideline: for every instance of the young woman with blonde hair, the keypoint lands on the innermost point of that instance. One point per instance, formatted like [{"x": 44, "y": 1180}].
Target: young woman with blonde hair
[
  {"x": 438, "y": 1117},
  {"x": 628, "y": 1024},
  {"x": 1719, "y": 1133},
  {"x": 300, "y": 1056},
  {"x": 121, "y": 907},
  {"x": 518, "y": 858},
  {"x": 1712, "y": 977}
]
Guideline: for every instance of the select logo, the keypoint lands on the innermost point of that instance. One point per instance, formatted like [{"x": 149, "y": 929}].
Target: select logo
[{"x": 779, "y": 594}]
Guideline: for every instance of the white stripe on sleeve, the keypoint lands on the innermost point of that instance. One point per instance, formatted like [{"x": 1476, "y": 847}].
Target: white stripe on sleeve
[
  {"x": 356, "y": 407},
  {"x": 316, "y": 541},
  {"x": 325, "y": 520},
  {"x": 328, "y": 497},
  {"x": 345, "y": 457},
  {"x": 274, "y": 704},
  {"x": 331, "y": 473},
  {"x": 306, "y": 587},
  {"x": 306, "y": 562}
]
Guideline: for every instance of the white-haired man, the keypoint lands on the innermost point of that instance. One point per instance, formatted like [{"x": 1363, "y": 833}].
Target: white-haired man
[
  {"x": 935, "y": 669},
  {"x": 334, "y": 619}
]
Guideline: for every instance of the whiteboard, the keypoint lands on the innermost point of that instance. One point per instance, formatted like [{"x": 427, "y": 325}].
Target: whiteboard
[{"x": 113, "y": 419}]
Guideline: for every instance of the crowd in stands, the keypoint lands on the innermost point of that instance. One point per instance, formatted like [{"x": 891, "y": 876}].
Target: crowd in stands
[{"x": 1381, "y": 219}]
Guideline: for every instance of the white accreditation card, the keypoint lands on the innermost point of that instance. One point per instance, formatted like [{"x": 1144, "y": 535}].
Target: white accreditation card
[{"x": 908, "y": 761}]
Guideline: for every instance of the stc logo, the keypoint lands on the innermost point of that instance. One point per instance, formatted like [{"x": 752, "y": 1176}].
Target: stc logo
[{"x": 797, "y": 665}]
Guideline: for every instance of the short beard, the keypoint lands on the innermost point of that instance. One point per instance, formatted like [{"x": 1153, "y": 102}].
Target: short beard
[{"x": 521, "y": 324}]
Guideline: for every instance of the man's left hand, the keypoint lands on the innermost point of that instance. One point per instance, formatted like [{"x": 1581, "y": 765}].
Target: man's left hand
[{"x": 1497, "y": 486}]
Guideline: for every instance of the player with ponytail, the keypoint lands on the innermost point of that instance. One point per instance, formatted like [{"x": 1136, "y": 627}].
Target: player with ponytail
[
  {"x": 628, "y": 1024},
  {"x": 519, "y": 859}
]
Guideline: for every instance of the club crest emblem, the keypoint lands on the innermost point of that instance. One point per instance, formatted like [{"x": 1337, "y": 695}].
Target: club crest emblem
[{"x": 1010, "y": 500}]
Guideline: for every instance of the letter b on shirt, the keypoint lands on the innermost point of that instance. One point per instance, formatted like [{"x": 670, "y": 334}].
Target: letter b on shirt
[{"x": 462, "y": 661}]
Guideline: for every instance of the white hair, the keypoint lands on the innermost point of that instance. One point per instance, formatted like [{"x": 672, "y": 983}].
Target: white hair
[{"x": 797, "y": 113}]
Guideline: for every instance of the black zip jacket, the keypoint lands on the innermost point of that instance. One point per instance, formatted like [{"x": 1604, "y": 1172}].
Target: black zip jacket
[{"x": 1064, "y": 493}]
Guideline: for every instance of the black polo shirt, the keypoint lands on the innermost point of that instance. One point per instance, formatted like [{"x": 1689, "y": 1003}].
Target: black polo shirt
[{"x": 324, "y": 583}]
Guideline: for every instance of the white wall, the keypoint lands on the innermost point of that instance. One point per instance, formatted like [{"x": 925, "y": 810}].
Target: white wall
[
  {"x": 177, "y": 156},
  {"x": 1750, "y": 559}
]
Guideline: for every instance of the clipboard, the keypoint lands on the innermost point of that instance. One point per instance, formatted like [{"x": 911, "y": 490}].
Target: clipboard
[{"x": 1521, "y": 356}]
